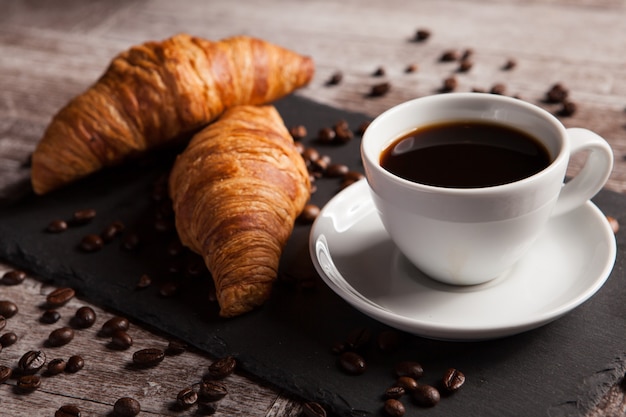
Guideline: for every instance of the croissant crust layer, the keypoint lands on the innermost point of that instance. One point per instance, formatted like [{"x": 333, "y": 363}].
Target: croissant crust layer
[
  {"x": 157, "y": 92},
  {"x": 237, "y": 189}
]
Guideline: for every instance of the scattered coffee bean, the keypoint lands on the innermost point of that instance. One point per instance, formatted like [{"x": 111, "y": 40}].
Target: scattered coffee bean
[
  {"x": 187, "y": 397},
  {"x": 3, "y": 322},
  {"x": 499, "y": 89},
  {"x": 56, "y": 226},
  {"x": 13, "y": 277},
  {"x": 326, "y": 135},
  {"x": 144, "y": 282},
  {"x": 614, "y": 223},
  {"x": 74, "y": 364},
  {"x": 61, "y": 336},
  {"x": 313, "y": 409},
  {"x": 8, "y": 339},
  {"x": 568, "y": 108},
  {"x": 335, "y": 78},
  {"x": 50, "y": 317},
  {"x": 449, "y": 56},
  {"x": 28, "y": 383},
  {"x": 148, "y": 357},
  {"x": 212, "y": 390},
  {"x": 453, "y": 379},
  {"x": 222, "y": 367},
  {"x": 56, "y": 366},
  {"x": 91, "y": 243},
  {"x": 120, "y": 339},
  {"x": 60, "y": 296},
  {"x": 379, "y": 90},
  {"x": 8, "y": 309},
  {"x": 449, "y": 84},
  {"x": 309, "y": 213},
  {"x": 421, "y": 35},
  {"x": 352, "y": 363},
  {"x": 5, "y": 373},
  {"x": 126, "y": 407},
  {"x": 358, "y": 338},
  {"x": 467, "y": 54},
  {"x": 409, "y": 368},
  {"x": 68, "y": 411},
  {"x": 84, "y": 317},
  {"x": 409, "y": 384},
  {"x": 336, "y": 170},
  {"x": 557, "y": 93},
  {"x": 113, "y": 324},
  {"x": 112, "y": 231},
  {"x": 32, "y": 361},
  {"x": 343, "y": 134},
  {"x": 310, "y": 155},
  {"x": 83, "y": 216},
  {"x": 169, "y": 289},
  {"x": 411, "y": 68},
  {"x": 394, "y": 408},
  {"x": 509, "y": 64},
  {"x": 175, "y": 347},
  {"x": 426, "y": 395},
  {"x": 465, "y": 65},
  {"x": 395, "y": 392},
  {"x": 379, "y": 72},
  {"x": 353, "y": 176},
  {"x": 298, "y": 132}
]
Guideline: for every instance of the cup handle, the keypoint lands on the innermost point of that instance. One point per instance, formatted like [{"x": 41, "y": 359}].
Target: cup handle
[{"x": 592, "y": 176}]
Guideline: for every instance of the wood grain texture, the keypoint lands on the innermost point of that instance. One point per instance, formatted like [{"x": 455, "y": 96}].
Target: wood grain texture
[{"x": 51, "y": 51}]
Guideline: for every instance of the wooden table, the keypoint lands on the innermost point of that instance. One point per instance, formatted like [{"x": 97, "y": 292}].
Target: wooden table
[{"x": 51, "y": 51}]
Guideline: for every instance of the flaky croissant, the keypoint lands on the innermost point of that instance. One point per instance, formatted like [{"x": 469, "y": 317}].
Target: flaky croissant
[
  {"x": 156, "y": 92},
  {"x": 237, "y": 189}
]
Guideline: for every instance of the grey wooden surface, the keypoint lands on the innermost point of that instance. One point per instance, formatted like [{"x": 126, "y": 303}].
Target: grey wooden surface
[{"x": 51, "y": 51}]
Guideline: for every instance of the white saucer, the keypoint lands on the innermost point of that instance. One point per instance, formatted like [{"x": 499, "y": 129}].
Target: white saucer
[{"x": 354, "y": 255}]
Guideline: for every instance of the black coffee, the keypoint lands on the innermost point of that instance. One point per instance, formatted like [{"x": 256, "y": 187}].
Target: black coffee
[{"x": 465, "y": 154}]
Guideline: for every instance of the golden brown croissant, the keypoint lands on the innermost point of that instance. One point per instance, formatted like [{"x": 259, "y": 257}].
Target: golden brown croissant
[
  {"x": 157, "y": 92},
  {"x": 237, "y": 189}
]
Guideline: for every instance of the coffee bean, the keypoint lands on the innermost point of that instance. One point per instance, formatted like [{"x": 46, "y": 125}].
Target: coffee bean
[
  {"x": 175, "y": 347},
  {"x": 298, "y": 132},
  {"x": 13, "y": 277},
  {"x": 212, "y": 390},
  {"x": 409, "y": 384},
  {"x": 343, "y": 134},
  {"x": 61, "y": 336},
  {"x": 353, "y": 176},
  {"x": 358, "y": 338},
  {"x": 60, "y": 296},
  {"x": 50, "y": 317},
  {"x": 91, "y": 243},
  {"x": 8, "y": 339},
  {"x": 222, "y": 367},
  {"x": 453, "y": 379},
  {"x": 421, "y": 35},
  {"x": 84, "y": 317},
  {"x": 557, "y": 93},
  {"x": 8, "y": 309},
  {"x": 449, "y": 84},
  {"x": 509, "y": 64},
  {"x": 74, "y": 364},
  {"x": 309, "y": 214},
  {"x": 363, "y": 127},
  {"x": 409, "y": 368},
  {"x": 32, "y": 361},
  {"x": 499, "y": 89},
  {"x": 56, "y": 366},
  {"x": 411, "y": 68},
  {"x": 111, "y": 231},
  {"x": 394, "y": 408},
  {"x": 5, "y": 373},
  {"x": 465, "y": 65},
  {"x": 187, "y": 397},
  {"x": 28, "y": 383},
  {"x": 113, "y": 324},
  {"x": 67, "y": 411},
  {"x": 568, "y": 108},
  {"x": 144, "y": 282},
  {"x": 352, "y": 363},
  {"x": 148, "y": 357},
  {"x": 169, "y": 289},
  {"x": 395, "y": 391},
  {"x": 121, "y": 340},
  {"x": 126, "y": 407},
  {"x": 380, "y": 89},
  {"x": 83, "y": 216},
  {"x": 426, "y": 395},
  {"x": 56, "y": 226},
  {"x": 310, "y": 155},
  {"x": 3, "y": 322},
  {"x": 335, "y": 78},
  {"x": 336, "y": 170},
  {"x": 449, "y": 55},
  {"x": 313, "y": 409}
]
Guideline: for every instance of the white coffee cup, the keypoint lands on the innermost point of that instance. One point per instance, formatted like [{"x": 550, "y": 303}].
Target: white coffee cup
[{"x": 467, "y": 236}]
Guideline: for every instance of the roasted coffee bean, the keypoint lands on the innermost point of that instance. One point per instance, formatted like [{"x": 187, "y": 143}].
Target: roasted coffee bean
[
  {"x": 509, "y": 64},
  {"x": 120, "y": 339},
  {"x": 74, "y": 364},
  {"x": 409, "y": 368},
  {"x": 313, "y": 409},
  {"x": 126, "y": 407},
  {"x": 61, "y": 336},
  {"x": 363, "y": 127},
  {"x": 411, "y": 68},
  {"x": 389, "y": 340},
  {"x": 409, "y": 384},
  {"x": 336, "y": 170},
  {"x": 379, "y": 72},
  {"x": 465, "y": 65},
  {"x": 8, "y": 309},
  {"x": 352, "y": 363},
  {"x": 131, "y": 242},
  {"x": 222, "y": 367},
  {"x": 353, "y": 176},
  {"x": 50, "y": 317},
  {"x": 3, "y": 322},
  {"x": 449, "y": 56},
  {"x": 310, "y": 155},
  {"x": 69, "y": 410},
  {"x": 56, "y": 366},
  {"x": 309, "y": 213},
  {"x": 56, "y": 226},
  {"x": 449, "y": 84},
  {"x": 91, "y": 243},
  {"x": 453, "y": 379},
  {"x": 298, "y": 132},
  {"x": 395, "y": 391},
  {"x": 83, "y": 216},
  {"x": 557, "y": 93},
  {"x": 380, "y": 89},
  {"x": 144, "y": 282},
  {"x": 60, "y": 296},
  {"x": 421, "y": 35},
  {"x": 148, "y": 357},
  {"x": 111, "y": 231},
  {"x": 8, "y": 339},
  {"x": 426, "y": 395},
  {"x": 212, "y": 390},
  {"x": 5, "y": 373},
  {"x": 326, "y": 135},
  {"x": 32, "y": 361},
  {"x": 335, "y": 78},
  {"x": 394, "y": 408},
  {"x": 467, "y": 54},
  {"x": 84, "y": 317},
  {"x": 13, "y": 277},
  {"x": 169, "y": 289},
  {"x": 568, "y": 108},
  {"x": 187, "y": 397},
  {"x": 28, "y": 383},
  {"x": 175, "y": 347},
  {"x": 614, "y": 223},
  {"x": 113, "y": 324},
  {"x": 499, "y": 89},
  {"x": 343, "y": 135},
  {"x": 358, "y": 338}
]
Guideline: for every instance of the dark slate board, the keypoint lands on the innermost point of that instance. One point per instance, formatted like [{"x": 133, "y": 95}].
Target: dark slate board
[{"x": 559, "y": 369}]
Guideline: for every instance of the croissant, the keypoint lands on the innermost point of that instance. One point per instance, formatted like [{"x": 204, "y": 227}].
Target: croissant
[
  {"x": 237, "y": 189},
  {"x": 157, "y": 92}
]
